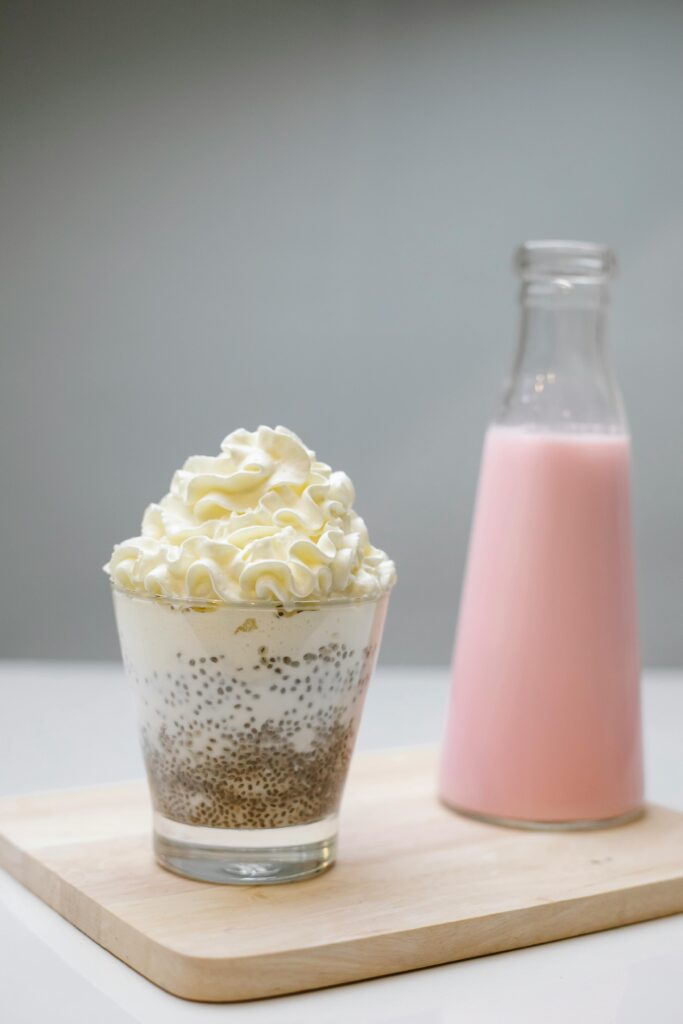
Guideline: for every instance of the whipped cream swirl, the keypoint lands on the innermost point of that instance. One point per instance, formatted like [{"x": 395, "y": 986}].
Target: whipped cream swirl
[{"x": 261, "y": 521}]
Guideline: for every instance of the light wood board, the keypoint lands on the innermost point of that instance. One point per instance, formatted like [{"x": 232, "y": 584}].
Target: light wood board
[{"x": 415, "y": 885}]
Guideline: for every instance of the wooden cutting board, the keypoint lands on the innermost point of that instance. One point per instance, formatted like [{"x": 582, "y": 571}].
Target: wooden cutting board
[{"x": 415, "y": 885}]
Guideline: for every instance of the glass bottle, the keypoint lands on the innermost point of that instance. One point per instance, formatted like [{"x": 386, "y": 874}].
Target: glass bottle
[{"x": 543, "y": 725}]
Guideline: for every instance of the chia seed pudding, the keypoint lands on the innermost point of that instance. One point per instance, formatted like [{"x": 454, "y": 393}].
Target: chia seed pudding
[
  {"x": 248, "y": 716},
  {"x": 250, "y": 611}
]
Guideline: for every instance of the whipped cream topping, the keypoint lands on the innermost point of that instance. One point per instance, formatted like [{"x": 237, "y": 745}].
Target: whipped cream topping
[{"x": 261, "y": 521}]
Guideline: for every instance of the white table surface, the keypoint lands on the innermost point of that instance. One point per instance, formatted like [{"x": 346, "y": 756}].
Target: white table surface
[{"x": 73, "y": 724}]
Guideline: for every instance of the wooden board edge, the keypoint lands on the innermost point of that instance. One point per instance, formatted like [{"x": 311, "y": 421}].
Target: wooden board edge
[
  {"x": 98, "y": 923},
  {"x": 217, "y": 980},
  {"x": 285, "y": 973}
]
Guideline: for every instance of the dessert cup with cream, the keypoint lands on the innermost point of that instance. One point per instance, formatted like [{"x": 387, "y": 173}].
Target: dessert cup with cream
[{"x": 250, "y": 613}]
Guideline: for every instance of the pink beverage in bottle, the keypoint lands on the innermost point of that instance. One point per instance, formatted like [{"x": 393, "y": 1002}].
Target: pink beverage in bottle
[{"x": 544, "y": 717}]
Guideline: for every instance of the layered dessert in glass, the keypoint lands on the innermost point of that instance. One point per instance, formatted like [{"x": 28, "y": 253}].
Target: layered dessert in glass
[{"x": 250, "y": 613}]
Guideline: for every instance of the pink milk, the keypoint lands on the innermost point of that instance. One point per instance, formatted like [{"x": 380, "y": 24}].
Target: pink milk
[{"x": 544, "y": 720}]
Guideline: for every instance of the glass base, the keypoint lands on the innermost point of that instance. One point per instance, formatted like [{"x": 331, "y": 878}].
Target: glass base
[
  {"x": 580, "y": 825},
  {"x": 266, "y": 856}
]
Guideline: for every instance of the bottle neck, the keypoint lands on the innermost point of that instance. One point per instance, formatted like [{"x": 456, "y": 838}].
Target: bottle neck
[{"x": 562, "y": 378}]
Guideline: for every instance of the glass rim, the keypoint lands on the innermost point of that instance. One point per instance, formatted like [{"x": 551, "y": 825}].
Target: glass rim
[
  {"x": 565, "y": 258},
  {"x": 276, "y": 606}
]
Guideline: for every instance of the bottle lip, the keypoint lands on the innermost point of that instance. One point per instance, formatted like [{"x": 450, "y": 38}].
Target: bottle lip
[{"x": 553, "y": 258}]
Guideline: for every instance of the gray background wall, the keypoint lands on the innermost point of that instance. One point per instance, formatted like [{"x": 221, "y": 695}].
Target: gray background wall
[{"x": 220, "y": 214}]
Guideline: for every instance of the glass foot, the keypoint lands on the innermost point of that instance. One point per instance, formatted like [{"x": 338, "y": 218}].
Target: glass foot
[{"x": 245, "y": 856}]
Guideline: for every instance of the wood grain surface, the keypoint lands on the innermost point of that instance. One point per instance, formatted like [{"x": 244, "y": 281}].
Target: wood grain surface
[{"x": 415, "y": 885}]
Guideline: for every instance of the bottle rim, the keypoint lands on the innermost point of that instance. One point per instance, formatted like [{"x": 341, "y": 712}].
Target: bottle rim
[{"x": 572, "y": 259}]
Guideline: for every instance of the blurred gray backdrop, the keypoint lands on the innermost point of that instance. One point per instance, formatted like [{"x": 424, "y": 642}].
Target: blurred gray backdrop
[{"x": 221, "y": 214}]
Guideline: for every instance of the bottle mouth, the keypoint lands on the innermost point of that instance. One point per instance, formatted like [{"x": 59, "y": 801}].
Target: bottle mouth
[{"x": 563, "y": 259}]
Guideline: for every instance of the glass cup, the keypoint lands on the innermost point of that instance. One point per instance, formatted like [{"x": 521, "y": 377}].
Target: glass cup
[{"x": 248, "y": 716}]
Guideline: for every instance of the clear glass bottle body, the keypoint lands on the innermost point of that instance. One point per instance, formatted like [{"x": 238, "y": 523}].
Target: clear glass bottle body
[
  {"x": 562, "y": 378},
  {"x": 544, "y": 718}
]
